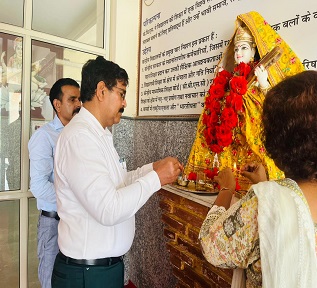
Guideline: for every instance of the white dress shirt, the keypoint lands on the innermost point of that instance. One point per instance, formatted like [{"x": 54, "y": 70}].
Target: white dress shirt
[{"x": 96, "y": 197}]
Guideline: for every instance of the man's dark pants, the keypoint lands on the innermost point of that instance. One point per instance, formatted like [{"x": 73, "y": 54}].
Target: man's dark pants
[{"x": 68, "y": 275}]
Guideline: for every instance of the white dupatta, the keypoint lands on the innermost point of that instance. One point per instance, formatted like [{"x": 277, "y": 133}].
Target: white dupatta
[{"x": 287, "y": 236}]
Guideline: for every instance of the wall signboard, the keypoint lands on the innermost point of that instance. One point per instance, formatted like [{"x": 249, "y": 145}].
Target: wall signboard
[{"x": 181, "y": 43}]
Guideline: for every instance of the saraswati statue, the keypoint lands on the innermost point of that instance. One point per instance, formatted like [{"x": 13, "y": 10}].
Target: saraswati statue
[{"x": 229, "y": 127}]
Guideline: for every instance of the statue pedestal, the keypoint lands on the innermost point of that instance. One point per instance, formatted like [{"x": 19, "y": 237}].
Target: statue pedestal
[{"x": 183, "y": 214}]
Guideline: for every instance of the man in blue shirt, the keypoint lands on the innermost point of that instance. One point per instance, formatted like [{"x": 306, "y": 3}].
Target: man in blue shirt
[{"x": 65, "y": 99}]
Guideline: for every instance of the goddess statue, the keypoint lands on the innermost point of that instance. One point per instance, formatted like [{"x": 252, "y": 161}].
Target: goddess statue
[{"x": 229, "y": 128}]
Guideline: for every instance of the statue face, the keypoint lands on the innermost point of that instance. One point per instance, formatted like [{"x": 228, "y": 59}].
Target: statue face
[{"x": 243, "y": 52}]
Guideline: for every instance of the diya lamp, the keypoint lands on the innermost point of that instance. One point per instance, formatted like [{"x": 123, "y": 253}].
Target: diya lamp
[
  {"x": 235, "y": 170},
  {"x": 200, "y": 181},
  {"x": 182, "y": 181}
]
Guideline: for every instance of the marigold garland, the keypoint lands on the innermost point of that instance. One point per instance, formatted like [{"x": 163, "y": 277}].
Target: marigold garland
[{"x": 222, "y": 106}]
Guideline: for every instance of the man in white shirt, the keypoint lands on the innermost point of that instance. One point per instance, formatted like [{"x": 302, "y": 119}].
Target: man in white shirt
[{"x": 96, "y": 197}]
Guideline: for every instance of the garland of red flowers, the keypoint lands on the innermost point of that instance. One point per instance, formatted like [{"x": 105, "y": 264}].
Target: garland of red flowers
[{"x": 222, "y": 106}]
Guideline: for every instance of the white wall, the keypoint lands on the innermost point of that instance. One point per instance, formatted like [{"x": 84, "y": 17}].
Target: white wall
[
  {"x": 124, "y": 39},
  {"x": 124, "y": 45}
]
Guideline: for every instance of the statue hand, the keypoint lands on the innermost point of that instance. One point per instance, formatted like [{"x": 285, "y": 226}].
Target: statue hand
[{"x": 261, "y": 74}]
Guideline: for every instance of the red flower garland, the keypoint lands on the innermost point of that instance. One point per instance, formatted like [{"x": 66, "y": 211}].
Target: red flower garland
[{"x": 222, "y": 106}]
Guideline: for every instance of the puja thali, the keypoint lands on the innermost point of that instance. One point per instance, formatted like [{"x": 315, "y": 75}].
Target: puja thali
[{"x": 209, "y": 190}]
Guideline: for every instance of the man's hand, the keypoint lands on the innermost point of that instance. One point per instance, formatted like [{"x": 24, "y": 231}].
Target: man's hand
[
  {"x": 167, "y": 169},
  {"x": 255, "y": 172}
]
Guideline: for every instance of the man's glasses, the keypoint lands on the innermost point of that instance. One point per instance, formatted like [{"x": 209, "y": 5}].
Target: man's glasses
[{"x": 122, "y": 94}]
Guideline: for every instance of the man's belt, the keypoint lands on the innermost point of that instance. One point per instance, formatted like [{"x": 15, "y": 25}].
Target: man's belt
[
  {"x": 91, "y": 262},
  {"x": 51, "y": 214}
]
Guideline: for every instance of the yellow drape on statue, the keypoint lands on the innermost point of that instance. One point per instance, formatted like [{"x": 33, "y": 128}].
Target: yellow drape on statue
[{"x": 250, "y": 146}]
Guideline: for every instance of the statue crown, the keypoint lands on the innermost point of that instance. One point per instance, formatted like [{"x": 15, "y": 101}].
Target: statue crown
[{"x": 243, "y": 34}]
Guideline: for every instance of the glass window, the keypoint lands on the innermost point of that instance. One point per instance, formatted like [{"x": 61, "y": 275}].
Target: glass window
[
  {"x": 50, "y": 63},
  {"x": 80, "y": 20},
  {"x": 10, "y": 105},
  {"x": 11, "y": 12},
  {"x": 9, "y": 243},
  {"x": 33, "y": 261}
]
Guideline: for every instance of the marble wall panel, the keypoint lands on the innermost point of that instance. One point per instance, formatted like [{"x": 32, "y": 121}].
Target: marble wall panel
[{"x": 141, "y": 142}]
